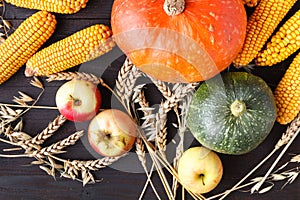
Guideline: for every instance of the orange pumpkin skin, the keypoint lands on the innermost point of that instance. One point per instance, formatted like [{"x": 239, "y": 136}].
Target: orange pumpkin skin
[{"x": 193, "y": 46}]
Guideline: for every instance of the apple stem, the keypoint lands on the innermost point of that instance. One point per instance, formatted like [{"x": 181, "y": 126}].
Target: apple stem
[
  {"x": 76, "y": 102},
  {"x": 202, "y": 178},
  {"x": 174, "y": 7}
]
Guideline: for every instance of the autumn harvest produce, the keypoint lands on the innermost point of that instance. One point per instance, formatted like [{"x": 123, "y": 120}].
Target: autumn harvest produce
[
  {"x": 24, "y": 42},
  {"x": 187, "y": 40},
  {"x": 181, "y": 48},
  {"x": 200, "y": 170},
  {"x": 112, "y": 133},
  {"x": 57, "y": 6},
  {"x": 251, "y": 3},
  {"x": 260, "y": 26},
  {"x": 283, "y": 44},
  {"x": 287, "y": 93},
  {"x": 232, "y": 114},
  {"x": 78, "y": 100},
  {"x": 82, "y": 46}
]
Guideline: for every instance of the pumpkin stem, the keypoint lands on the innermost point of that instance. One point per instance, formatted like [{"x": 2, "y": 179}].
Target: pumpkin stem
[
  {"x": 237, "y": 108},
  {"x": 174, "y": 7}
]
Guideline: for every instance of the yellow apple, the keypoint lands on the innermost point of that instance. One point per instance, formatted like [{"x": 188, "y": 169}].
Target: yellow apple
[
  {"x": 112, "y": 133},
  {"x": 200, "y": 170}
]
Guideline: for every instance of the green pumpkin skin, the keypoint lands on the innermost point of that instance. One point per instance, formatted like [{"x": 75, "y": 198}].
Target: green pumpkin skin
[{"x": 212, "y": 122}]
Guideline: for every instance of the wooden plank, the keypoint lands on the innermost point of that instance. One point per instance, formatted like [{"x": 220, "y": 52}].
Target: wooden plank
[{"x": 95, "y": 9}]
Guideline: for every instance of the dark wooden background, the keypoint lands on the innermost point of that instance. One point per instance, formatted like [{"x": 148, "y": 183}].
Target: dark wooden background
[{"x": 19, "y": 180}]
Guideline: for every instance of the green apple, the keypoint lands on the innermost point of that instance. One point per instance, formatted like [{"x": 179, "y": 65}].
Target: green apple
[{"x": 200, "y": 170}]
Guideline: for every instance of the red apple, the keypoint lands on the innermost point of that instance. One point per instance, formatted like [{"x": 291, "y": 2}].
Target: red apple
[
  {"x": 200, "y": 170},
  {"x": 78, "y": 100},
  {"x": 112, "y": 133}
]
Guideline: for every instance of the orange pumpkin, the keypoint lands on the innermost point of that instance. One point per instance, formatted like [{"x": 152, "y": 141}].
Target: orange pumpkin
[{"x": 177, "y": 40}]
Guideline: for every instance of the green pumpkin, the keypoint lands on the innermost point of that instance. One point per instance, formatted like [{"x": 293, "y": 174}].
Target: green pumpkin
[{"x": 233, "y": 113}]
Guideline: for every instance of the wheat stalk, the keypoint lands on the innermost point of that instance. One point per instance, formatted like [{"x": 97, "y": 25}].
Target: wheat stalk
[
  {"x": 148, "y": 124},
  {"x": 45, "y": 156},
  {"x": 66, "y": 76},
  {"x": 158, "y": 160},
  {"x": 9, "y": 115},
  {"x": 93, "y": 164},
  {"x": 290, "y": 141},
  {"x": 57, "y": 147},
  {"x": 290, "y": 132},
  {"x": 182, "y": 126},
  {"x": 27, "y": 142},
  {"x": 161, "y": 129},
  {"x": 125, "y": 83},
  {"x": 286, "y": 139},
  {"x": 49, "y": 130},
  {"x": 171, "y": 102},
  {"x": 72, "y": 168},
  {"x": 163, "y": 88},
  {"x": 290, "y": 175},
  {"x": 122, "y": 77},
  {"x": 139, "y": 97},
  {"x": 173, "y": 97},
  {"x": 45, "y": 134}
]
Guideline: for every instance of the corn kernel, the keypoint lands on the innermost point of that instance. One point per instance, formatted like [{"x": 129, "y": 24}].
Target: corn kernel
[
  {"x": 261, "y": 24},
  {"x": 76, "y": 49},
  {"x": 287, "y": 93},
  {"x": 282, "y": 44},
  {"x": 57, "y": 6},
  {"x": 16, "y": 50}
]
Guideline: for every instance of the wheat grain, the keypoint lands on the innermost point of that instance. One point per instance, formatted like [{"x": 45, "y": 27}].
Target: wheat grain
[
  {"x": 125, "y": 82},
  {"x": 25, "y": 97},
  {"x": 140, "y": 151},
  {"x": 49, "y": 130},
  {"x": 122, "y": 76},
  {"x": 66, "y": 76},
  {"x": 37, "y": 83},
  {"x": 148, "y": 124},
  {"x": 179, "y": 93},
  {"x": 161, "y": 129},
  {"x": 57, "y": 147},
  {"x": 94, "y": 164},
  {"x": 45, "y": 134},
  {"x": 18, "y": 126},
  {"x": 49, "y": 171},
  {"x": 163, "y": 88},
  {"x": 289, "y": 133}
]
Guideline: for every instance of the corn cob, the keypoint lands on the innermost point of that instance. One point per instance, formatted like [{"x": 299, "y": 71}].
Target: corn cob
[
  {"x": 82, "y": 46},
  {"x": 57, "y": 6},
  {"x": 287, "y": 93},
  {"x": 261, "y": 24},
  {"x": 251, "y": 3},
  {"x": 24, "y": 42},
  {"x": 284, "y": 43}
]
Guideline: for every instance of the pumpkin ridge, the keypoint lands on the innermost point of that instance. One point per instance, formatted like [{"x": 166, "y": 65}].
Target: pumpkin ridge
[
  {"x": 214, "y": 126},
  {"x": 220, "y": 25}
]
